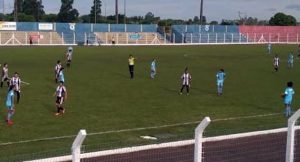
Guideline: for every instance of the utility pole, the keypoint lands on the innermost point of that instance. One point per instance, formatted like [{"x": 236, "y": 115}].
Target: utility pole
[
  {"x": 117, "y": 12},
  {"x": 95, "y": 11},
  {"x": 16, "y": 10},
  {"x": 124, "y": 11},
  {"x": 201, "y": 12},
  {"x": 3, "y": 10},
  {"x": 38, "y": 10}
]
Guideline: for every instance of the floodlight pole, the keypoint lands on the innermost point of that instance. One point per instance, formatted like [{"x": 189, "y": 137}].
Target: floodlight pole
[
  {"x": 124, "y": 11},
  {"x": 201, "y": 11},
  {"x": 15, "y": 10},
  {"x": 3, "y": 8},
  {"x": 95, "y": 8},
  {"x": 38, "y": 10},
  {"x": 117, "y": 12}
]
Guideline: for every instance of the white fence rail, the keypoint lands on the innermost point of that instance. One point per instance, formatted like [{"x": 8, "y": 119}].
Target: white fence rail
[{"x": 17, "y": 38}]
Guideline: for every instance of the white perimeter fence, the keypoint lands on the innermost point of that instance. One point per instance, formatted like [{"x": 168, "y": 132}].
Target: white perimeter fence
[
  {"x": 114, "y": 38},
  {"x": 275, "y": 145}
]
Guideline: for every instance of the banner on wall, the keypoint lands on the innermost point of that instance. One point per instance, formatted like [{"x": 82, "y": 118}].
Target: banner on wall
[
  {"x": 45, "y": 26},
  {"x": 8, "y": 26}
]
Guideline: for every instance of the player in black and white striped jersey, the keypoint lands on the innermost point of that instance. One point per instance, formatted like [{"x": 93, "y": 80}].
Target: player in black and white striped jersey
[
  {"x": 69, "y": 56},
  {"x": 4, "y": 75},
  {"x": 276, "y": 62},
  {"x": 186, "y": 81},
  {"x": 16, "y": 82},
  {"x": 56, "y": 70},
  {"x": 61, "y": 96}
]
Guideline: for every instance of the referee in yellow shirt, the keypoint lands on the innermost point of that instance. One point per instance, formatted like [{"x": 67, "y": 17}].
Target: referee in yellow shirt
[{"x": 131, "y": 60}]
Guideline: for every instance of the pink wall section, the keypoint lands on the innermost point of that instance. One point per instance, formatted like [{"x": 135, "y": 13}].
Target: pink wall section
[{"x": 271, "y": 33}]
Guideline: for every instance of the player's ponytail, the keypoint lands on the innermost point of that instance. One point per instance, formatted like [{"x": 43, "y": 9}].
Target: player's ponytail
[{"x": 11, "y": 87}]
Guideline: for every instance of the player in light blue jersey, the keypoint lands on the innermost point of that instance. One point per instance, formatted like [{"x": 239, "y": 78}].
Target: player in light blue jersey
[
  {"x": 269, "y": 48},
  {"x": 153, "y": 69},
  {"x": 288, "y": 97},
  {"x": 220, "y": 81},
  {"x": 61, "y": 76},
  {"x": 10, "y": 105},
  {"x": 290, "y": 60}
]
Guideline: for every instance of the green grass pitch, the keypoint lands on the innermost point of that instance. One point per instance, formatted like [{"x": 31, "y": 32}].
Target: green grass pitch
[{"x": 101, "y": 97}]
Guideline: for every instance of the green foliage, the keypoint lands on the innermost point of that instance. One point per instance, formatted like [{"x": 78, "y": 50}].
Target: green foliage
[
  {"x": 84, "y": 19},
  {"x": 33, "y": 8},
  {"x": 67, "y": 13},
  {"x": 49, "y": 18},
  {"x": 95, "y": 13},
  {"x": 26, "y": 18},
  {"x": 281, "y": 19},
  {"x": 214, "y": 23},
  {"x": 150, "y": 19}
]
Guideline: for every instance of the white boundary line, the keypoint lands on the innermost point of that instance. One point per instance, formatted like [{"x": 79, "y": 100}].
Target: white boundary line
[
  {"x": 164, "y": 145},
  {"x": 135, "y": 129}
]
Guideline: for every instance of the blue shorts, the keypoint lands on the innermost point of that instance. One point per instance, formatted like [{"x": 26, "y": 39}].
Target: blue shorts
[
  {"x": 288, "y": 102},
  {"x": 220, "y": 83}
]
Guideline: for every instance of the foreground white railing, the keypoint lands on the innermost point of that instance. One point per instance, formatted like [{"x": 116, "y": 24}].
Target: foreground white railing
[
  {"x": 290, "y": 145},
  {"x": 198, "y": 155}
]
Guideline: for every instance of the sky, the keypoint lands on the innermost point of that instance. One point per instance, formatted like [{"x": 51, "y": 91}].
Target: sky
[{"x": 183, "y": 9}]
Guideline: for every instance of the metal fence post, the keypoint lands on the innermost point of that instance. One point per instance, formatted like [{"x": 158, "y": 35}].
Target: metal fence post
[
  {"x": 106, "y": 38},
  {"x": 199, "y": 139},
  {"x": 247, "y": 37},
  {"x": 26, "y": 38},
  {"x": 200, "y": 37},
  {"x": 207, "y": 37},
  {"x": 291, "y": 137},
  {"x": 39, "y": 37},
  {"x": 174, "y": 38},
  {"x": 51, "y": 41},
  {"x": 74, "y": 38},
  {"x": 77, "y": 145},
  {"x": 62, "y": 38}
]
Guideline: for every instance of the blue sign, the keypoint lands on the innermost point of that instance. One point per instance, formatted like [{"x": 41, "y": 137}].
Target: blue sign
[{"x": 135, "y": 36}]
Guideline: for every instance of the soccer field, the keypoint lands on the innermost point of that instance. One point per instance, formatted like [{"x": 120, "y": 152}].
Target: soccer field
[{"x": 102, "y": 97}]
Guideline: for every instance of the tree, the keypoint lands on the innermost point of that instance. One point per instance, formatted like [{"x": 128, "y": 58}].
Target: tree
[
  {"x": 49, "y": 18},
  {"x": 33, "y": 8},
  {"x": 196, "y": 20},
  {"x": 95, "y": 14},
  {"x": 19, "y": 4},
  {"x": 84, "y": 19},
  {"x": 26, "y": 18},
  {"x": 66, "y": 12},
  {"x": 149, "y": 16},
  {"x": 282, "y": 19},
  {"x": 214, "y": 23}
]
